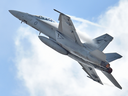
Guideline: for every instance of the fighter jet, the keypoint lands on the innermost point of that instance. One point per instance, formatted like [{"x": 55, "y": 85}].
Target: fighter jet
[{"x": 63, "y": 38}]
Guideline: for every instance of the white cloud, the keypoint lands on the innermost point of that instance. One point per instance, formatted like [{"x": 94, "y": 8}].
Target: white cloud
[
  {"x": 41, "y": 68},
  {"x": 48, "y": 73}
]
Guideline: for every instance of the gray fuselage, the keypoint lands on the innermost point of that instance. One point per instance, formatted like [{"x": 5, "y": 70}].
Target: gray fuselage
[{"x": 48, "y": 27}]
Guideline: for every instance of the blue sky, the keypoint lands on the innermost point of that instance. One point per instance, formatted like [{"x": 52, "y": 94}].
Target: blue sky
[{"x": 11, "y": 84}]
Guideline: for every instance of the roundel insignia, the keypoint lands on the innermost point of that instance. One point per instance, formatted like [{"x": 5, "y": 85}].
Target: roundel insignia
[{"x": 35, "y": 23}]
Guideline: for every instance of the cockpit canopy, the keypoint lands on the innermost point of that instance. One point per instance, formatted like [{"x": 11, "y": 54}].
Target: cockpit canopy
[{"x": 44, "y": 18}]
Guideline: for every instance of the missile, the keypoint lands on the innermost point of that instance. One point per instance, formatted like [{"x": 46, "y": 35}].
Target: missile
[{"x": 53, "y": 45}]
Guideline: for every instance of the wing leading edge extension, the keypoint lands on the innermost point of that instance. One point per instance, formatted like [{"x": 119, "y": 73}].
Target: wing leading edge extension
[
  {"x": 91, "y": 72},
  {"x": 67, "y": 28}
]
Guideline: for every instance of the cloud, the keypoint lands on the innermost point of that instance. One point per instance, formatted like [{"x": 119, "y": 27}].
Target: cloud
[
  {"x": 44, "y": 71},
  {"x": 48, "y": 73}
]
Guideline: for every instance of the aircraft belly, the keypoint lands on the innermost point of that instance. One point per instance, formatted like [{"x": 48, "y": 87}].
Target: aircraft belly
[{"x": 80, "y": 60}]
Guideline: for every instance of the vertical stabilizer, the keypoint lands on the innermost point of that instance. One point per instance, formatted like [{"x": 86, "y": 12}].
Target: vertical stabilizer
[{"x": 103, "y": 41}]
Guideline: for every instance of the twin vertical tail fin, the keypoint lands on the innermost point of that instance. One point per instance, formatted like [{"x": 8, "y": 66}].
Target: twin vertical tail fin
[{"x": 103, "y": 41}]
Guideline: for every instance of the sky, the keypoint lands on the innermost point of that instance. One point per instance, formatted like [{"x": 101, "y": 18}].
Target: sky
[{"x": 30, "y": 68}]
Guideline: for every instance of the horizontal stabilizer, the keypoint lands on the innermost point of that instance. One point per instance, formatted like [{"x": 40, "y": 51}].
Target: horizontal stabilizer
[
  {"x": 112, "y": 56},
  {"x": 98, "y": 54},
  {"x": 112, "y": 79}
]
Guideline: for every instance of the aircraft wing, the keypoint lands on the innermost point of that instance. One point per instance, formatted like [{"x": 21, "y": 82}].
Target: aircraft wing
[
  {"x": 112, "y": 79},
  {"x": 91, "y": 72},
  {"x": 67, "y": 28}
]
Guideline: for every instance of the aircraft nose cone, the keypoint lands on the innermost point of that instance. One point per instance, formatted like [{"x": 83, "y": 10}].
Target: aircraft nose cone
[{"x": 14, "y": 13}]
